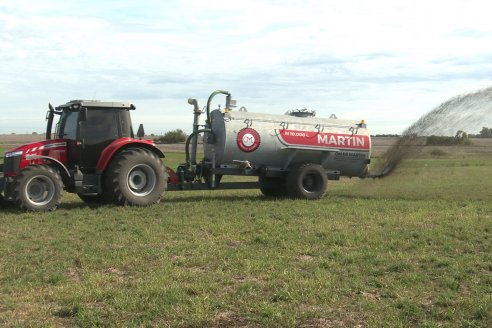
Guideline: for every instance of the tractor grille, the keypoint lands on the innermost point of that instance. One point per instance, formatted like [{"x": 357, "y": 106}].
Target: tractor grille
[{"x": 11, "y": 164}]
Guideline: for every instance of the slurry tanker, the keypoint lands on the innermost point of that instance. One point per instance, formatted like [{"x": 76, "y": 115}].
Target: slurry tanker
[{"x": 94, "y": 153}]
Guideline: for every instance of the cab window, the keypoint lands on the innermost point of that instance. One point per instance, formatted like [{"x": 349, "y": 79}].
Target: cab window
[
  {"x": 100, "y": 126},
  {"x": 67, "y": 126}
]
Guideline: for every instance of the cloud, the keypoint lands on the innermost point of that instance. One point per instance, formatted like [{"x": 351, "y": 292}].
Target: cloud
[{"x": 356, "y": 57}]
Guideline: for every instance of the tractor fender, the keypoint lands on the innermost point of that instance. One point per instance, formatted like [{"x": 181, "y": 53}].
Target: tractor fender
[
  {"x": 62, "y": 169},
  {"x": 116, "y": 146}
]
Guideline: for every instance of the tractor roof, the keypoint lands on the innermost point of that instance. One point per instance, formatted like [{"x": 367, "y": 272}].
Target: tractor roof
[{"x": 97, "y": 103}]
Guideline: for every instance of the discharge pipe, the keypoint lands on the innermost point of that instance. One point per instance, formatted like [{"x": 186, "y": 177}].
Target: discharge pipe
[
  {"x": 218, "y": 92},
  {"x": 196, "y": 125}
]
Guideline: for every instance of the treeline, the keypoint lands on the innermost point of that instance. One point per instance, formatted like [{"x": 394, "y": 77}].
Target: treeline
[
  {"x": 447, "y": 141},
  {"x": 386, "y": 135},
  {"x": 175, "y": 136},
  {"x": 484, "y": 133},
  {"x": 461, "y": 138}
]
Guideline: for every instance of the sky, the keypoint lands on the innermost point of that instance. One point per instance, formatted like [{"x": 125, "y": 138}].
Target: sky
[{"x": 388, "y": 62}]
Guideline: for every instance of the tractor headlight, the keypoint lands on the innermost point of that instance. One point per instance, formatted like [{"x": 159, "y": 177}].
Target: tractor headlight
[{"x": 13, "y": 154}]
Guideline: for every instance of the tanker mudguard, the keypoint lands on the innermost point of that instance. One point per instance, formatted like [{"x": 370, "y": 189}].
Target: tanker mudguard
[{"x": 124, "y": 143}]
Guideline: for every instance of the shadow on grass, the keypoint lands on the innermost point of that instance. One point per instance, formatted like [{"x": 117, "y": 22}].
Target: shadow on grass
[
  {"x": 175, "y": 199},
  {"x": 82, "y": 205},
  {"x": 226, "y": 198},
  {"x": 68, "y": 206}
]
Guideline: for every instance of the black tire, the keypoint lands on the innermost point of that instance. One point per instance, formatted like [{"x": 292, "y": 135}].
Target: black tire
[
  {"x": 95, "y": 199},
  {"x": 272, "y": 187},
  {"x": 307, "y": 181},
  {"x": 37, "y": 188},
  {"x": 136, "y": 177}
]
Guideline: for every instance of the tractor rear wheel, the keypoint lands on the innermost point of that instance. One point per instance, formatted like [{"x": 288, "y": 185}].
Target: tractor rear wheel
[
  {"x": 136, "y": 177},
  {"x": 37, "y": 188},
  {"x": 307, "y": 181}
]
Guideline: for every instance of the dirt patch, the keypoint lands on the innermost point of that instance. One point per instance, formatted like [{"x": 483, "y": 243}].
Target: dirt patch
[
  {"x": 331, "y": 323},
  {"x": 304, "y": 258},
  {"x": 230, "y": 319}
]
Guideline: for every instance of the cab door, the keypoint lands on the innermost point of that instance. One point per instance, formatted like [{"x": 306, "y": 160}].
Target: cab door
[
  {"x": 98, "y": 129},
  {"x": 67, "y": 129}
]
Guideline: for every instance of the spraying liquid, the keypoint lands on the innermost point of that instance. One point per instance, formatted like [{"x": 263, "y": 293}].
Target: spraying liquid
[{"x": 468, "y": 112}]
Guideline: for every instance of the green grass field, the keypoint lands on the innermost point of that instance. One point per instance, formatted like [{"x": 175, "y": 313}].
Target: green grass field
[{"x": 411, "y": 250}]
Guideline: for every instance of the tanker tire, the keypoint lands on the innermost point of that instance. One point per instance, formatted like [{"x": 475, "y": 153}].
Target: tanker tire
[
  {"x": 307, "y": 181},
  {"x": 272, "y": 187},
  {"x": 37, "y": 188},
  {"x": 136, "y": 177}
]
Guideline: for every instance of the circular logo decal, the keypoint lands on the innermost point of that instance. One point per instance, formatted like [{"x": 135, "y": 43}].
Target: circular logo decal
[{"x": 248, "y": 140}]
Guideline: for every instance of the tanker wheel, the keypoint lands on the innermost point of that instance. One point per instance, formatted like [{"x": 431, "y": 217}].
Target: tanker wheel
[
  {"x": 37, "y": 188},
  {"x": 307, "y": 181},
  {"x": 136, "y": 177},
  {"x": 272, "y": 187}
]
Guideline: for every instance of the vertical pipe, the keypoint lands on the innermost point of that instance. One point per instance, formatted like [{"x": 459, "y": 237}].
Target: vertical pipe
[{"x": 196, "y": 124}]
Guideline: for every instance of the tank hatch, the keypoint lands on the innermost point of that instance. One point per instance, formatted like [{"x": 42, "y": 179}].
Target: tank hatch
[{"x": 304, "y": 112}]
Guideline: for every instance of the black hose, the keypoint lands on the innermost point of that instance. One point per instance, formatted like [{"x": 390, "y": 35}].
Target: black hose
[{"x": 188, "y": 141}]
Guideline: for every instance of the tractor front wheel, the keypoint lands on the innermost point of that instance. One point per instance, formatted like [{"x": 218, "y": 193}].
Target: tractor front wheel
[
  {"x": 136, "y": 177},
  {"x": 37, "y": 188}
]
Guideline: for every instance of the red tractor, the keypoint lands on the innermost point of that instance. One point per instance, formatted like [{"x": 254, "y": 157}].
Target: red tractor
[{"x": 93, "y": 153}]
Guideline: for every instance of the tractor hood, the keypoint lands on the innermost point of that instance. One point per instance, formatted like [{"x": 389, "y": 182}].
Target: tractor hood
[
  {"x": 18, "y": 158},
  {"x": 36, "y": 148}
]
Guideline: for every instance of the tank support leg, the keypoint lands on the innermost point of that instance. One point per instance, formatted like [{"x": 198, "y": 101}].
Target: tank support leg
[{"x": 291, "y": 157}]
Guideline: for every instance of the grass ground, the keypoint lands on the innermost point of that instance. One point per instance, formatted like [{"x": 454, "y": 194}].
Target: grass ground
[{"x": 411, "y": 250}]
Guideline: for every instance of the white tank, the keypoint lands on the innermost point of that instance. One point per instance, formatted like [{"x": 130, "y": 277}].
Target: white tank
[{"x": 281, "y": 141}]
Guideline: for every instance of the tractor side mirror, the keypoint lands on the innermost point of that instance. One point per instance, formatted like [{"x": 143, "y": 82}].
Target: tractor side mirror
[{"x": 141, "y": 131}]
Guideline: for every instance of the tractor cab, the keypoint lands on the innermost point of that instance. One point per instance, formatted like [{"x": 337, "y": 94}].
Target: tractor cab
[{"x": 88, "y": 127}]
